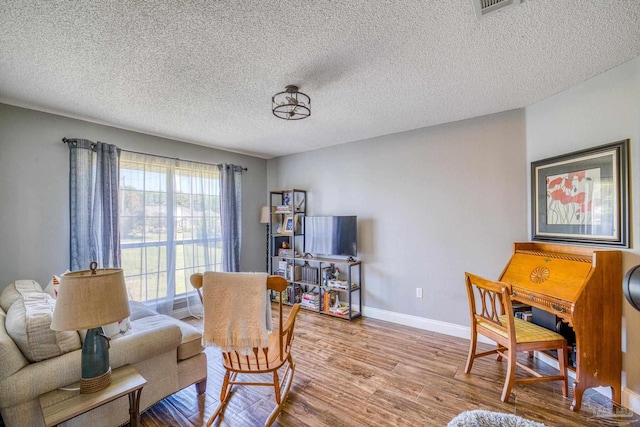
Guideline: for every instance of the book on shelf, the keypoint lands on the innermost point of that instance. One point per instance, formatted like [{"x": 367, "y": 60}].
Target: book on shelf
[
  {"x": 341, "y": 308},
  {"x": 294, "y": 272},
  {"x": 285, "y": 252},
  {"x": 275, "y": 296},
  {"x": 310, "y": 300},
  {"x": 341, "y": 284},
  {"x": 310, "y": 274},
  {"x": 294, "y": 294},
  {"x": 329, "y": 299},
  {"x": 310, "y": 295},
  {"x": 283, "y": 208}
]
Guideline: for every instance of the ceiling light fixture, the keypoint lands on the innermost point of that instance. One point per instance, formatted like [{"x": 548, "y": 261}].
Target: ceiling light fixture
[{"x": 291, "y": 104}]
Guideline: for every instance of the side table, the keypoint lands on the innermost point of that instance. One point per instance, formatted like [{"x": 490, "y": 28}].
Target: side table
[{"x": 61, "y": 405}]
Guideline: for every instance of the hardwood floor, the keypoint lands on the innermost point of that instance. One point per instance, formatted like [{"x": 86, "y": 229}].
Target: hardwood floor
[{"x": 375, "y": 373}]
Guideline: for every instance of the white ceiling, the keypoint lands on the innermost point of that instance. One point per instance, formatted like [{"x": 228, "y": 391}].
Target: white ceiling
[{"x": 204, "y": 71}]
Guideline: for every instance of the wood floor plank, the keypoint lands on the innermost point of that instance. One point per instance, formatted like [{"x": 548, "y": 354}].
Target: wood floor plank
[
  {"x": 373, "y": 373},
  {"x": 164, "y": 414}
]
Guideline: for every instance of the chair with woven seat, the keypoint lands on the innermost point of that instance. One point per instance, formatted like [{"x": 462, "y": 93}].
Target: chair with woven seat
[
  {"x": 492, "y": 316},
  {"x": 234, "y": 307}
]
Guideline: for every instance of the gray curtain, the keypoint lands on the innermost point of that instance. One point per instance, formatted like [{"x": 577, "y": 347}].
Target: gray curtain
[
  {"x": 93, "y": 199},
  {"x": 231, "y": 215}
]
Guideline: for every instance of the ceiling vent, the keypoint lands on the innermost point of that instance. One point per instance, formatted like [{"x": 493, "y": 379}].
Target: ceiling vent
[{"x": 485, "y": 7}]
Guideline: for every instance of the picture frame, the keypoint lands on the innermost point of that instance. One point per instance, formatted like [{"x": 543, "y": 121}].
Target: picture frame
[
  {"x": 288, "y": 224},
  {"x": 582, "y": 197}
]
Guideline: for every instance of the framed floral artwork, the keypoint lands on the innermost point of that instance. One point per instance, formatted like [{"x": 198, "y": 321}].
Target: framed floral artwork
[{"x": 582, "y": 197}]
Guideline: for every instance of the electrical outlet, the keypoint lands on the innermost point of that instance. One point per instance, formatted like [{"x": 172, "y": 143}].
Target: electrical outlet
[{"x": 418, "y": 292}]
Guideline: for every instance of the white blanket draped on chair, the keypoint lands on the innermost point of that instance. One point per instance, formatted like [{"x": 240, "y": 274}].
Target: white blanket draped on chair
[{"x": 237, "y": 311}]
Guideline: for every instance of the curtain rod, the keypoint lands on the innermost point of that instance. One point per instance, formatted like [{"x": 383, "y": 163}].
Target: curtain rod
[{"x": 67, "y": 140}]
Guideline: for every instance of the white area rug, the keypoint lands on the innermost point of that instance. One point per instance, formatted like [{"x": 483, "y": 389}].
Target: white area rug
[{"x": 479, "y": 418}]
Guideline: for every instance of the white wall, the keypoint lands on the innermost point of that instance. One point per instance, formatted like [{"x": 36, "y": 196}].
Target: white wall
[
  {"x": 601, "y": 110},
  {"x": 34, "y": 189},
  {"x": 431, "y": 204}
]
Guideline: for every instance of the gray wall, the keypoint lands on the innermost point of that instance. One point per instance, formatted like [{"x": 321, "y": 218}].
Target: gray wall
[
  {"x": 431, "y": 204},
  {"x": 34, "y": 195},
  {"x": 599, "y": 111}
]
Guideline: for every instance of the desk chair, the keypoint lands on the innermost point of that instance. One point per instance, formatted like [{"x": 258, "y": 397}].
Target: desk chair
[
  {"x": 492, "y": 315},
  {"x": 258, "y": 360}
]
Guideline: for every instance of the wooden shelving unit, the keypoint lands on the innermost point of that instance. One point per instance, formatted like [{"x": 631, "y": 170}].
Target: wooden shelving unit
[{"x": 310, "y": 276}]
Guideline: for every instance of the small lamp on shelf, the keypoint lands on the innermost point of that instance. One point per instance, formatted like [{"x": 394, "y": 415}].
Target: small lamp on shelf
[
  {"x": 265, "y": 218},
  {"x": 89, "y": 299}
]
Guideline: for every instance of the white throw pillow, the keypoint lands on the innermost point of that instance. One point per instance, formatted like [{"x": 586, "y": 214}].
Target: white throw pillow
[
  {"x": 28, "y": 323},
  {"x": 117, "y": 329},
  {"x": 112, "y": 330},
  {"x": 10, "y": 294},
  {"x": 52, "y": 286}
]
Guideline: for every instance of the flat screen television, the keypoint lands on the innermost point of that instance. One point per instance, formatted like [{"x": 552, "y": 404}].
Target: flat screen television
[{"x": 331, "y": 235}]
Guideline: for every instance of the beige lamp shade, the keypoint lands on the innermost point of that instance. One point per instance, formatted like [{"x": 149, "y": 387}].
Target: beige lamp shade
[
  {"x": 89, "y": 299},
  {"x": 265, "y": 216}
]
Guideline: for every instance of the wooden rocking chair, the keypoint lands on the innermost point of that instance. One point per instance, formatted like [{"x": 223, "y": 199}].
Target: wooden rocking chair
[{"x": 268, "y": 360}]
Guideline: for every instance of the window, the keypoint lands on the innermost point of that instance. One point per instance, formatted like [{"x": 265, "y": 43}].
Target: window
[{"x": 169, "y": 225}]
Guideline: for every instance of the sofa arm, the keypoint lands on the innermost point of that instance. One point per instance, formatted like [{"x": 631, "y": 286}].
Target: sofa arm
[
  {"x": 143, "y": 345},
  {"x": 41, "y": 377}
]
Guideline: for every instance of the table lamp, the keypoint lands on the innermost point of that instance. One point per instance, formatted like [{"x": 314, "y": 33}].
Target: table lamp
[{"x": 89, "y": 299}]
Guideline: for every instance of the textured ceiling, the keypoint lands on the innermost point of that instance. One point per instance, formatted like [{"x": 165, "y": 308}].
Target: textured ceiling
[{"x": 205, "y": 71}]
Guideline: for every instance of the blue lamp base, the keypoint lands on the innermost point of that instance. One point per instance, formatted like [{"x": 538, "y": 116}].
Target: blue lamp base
[{"x": 96, "y": 372}]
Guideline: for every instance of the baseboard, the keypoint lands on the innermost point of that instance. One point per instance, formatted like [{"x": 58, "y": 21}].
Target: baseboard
[
  {"x": 606, "y": 391},
  {"x": 631, "y": 400},
  {"x": 446, "y": 328}
]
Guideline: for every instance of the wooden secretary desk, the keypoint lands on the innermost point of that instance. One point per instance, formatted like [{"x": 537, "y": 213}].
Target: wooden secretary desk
[{"x": 583, "y": 287}]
